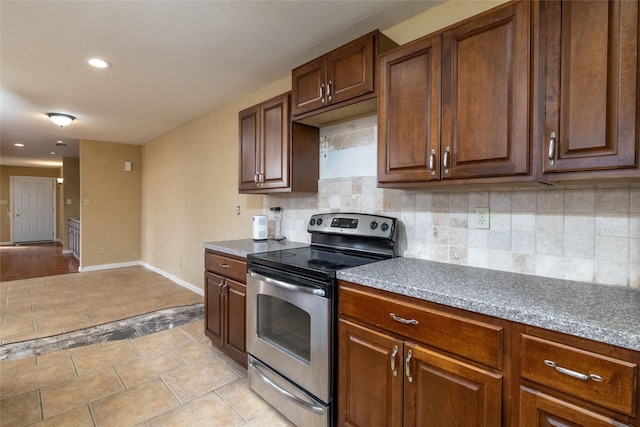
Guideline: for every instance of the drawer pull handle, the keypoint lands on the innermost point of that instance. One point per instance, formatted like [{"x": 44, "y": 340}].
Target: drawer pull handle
[
  {"x": 403, "y": 320},
  {"x": 224, "y": 265},
  {"x": 393, "y": 360},
  {"x": 407, "y": 366},
  {"x": 574, "y": 374}
]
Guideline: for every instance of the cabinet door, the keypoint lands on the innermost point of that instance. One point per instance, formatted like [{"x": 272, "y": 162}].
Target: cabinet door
[
  {"x": 249, "y": 148},
  {"x": 214, "y": 308},
  {"x": 350, "y": 70},
  {"x": 541, "y": 410},
  {"x": 485, "y": 92},
  {"x": 409, "y": 113},
  {"x": 369, "y": 377},
  {"x": 443, "y": 392},
  {"x": 591, "y": 115},
  {"x": 235, "y": 308},
  {"x": 308, "y": 83},
  {"x": 274, "y": 133}
]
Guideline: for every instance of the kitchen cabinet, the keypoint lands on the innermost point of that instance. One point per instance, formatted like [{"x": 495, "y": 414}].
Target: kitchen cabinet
[
  {"x": 276, "y": 155},
  {"x": 429, "y": 367},
  {"x": 343, "y": 76},
  {"x": 574, "y": 382},
  {"x": 225, "y": 304},
  {"x": 455, "y": 105},
  {"x": 590, "y": 80}
]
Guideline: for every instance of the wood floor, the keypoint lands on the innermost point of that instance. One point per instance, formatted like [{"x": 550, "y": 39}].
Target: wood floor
[{"x": 35, "y": 260}]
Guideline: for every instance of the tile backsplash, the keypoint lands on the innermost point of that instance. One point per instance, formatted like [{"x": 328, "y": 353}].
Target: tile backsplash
[{"x": 587, "y": 233}]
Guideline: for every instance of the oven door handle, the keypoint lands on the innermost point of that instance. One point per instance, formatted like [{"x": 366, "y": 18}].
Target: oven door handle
[
  {"x": 288, "y": 286},
  {"x": 311, "y": 407}
]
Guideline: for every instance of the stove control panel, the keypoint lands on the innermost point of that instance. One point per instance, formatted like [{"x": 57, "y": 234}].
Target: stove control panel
[{"x": 354, "y": 224}]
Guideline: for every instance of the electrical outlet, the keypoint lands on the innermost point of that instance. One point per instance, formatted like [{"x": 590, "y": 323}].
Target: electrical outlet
[
  {"x": 102, "y": 250},
  {"x": 482, "y": 218},
  {"x": 238, "y": 210}
]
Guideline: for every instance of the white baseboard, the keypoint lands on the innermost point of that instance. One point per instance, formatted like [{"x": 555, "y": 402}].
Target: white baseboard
[
  {"x": 109, "y": 266},
  {"x": 177, "y": 280}
]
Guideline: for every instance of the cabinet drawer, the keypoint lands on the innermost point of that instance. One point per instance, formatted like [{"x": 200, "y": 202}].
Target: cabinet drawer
[
  {"x": 559, "y": 366},
  {"x": 473, "y": 340},
  {"x": 225, "y": 266}
]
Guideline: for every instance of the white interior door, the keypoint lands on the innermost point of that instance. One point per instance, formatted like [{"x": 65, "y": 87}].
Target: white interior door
[{"x": 32, "y": 200}]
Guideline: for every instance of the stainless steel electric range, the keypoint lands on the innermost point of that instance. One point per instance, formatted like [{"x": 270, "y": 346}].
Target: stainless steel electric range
[{"x": 292, "y": 312}]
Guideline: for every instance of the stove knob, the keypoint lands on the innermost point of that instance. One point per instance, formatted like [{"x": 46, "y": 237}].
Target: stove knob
[
  {"x": 384, "y": 226},
  {"x": 373, "y": 225},
  {"x": 319, "y": 221},
  {"x": 312, "y": 222}
]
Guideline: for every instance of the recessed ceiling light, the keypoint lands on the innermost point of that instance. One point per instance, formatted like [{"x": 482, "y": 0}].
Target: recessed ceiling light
[
  {"x": 98, "y": 63},
  {"x": 53, "y": 152},
  {"x": 18, "y": 144}
]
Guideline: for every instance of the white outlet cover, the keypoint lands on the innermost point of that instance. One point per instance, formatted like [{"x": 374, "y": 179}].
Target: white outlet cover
[{"x": 482, "y": 218}]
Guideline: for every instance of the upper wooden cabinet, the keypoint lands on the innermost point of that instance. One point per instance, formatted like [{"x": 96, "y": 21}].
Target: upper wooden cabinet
[
  {"x": 455, "y": 105},
  {"x": 340, "y": 77},
  {"x": 276, "y": 155},
  {"x": 590, "y": 74}
]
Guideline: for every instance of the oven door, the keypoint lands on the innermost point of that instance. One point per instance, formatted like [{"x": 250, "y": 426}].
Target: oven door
[{"x": 289, "y": 330}]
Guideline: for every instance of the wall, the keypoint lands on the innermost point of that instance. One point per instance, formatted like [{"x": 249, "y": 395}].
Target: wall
[
  {"x": 190, "y": 189},
  {"x": 110, "y": 208},
  {"x": 5, "y": 193},
  {"x": 70, "y": 192},
  {"x": 587, "y": 233}
]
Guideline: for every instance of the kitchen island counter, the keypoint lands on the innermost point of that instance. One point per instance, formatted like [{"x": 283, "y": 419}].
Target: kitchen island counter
[{"x": 607, "y": 314}]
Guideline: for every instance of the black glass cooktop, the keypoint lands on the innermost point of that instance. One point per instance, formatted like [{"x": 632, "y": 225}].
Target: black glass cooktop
[{"x": 311, "y": 261}]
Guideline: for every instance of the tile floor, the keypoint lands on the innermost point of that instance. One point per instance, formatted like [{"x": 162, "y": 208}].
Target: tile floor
[{"x": 170, "y": 378}]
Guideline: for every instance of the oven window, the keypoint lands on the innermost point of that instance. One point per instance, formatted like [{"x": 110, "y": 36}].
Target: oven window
[{"x": 284, "y": 326}]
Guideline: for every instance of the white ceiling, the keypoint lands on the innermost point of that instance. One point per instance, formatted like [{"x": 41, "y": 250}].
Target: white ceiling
[{"x": 172, "y": 62}]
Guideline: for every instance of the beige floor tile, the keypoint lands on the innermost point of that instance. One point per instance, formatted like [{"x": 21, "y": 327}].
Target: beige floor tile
[
  {"x": 104, "y": 356},
  {"x": 148, "y": 367},
  {"x": 207, "y": 410},
  {"x": 198, "y": 352},
  {"x": 35, "y": 377},
  {"x": 191, "y": 381},
  {"x": 271, "y": 418},
  {"x": 195, "y": 330},
  {"x": 21, "y": 410},
  {"x": 134, "y": 405},
  {"x": 161, "y": 340},
  {"x": 77, "y": 417},
  {"x": 242, "y": 399},
  {"x": 61, "y": 397},
  {"x": 9, "y": 366}
]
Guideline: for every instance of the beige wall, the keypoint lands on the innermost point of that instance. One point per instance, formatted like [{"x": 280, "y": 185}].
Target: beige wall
[
  {"x": 110, "y": 203},
  {"x": 190, "y": 189},
  {"x": 189, "y": 182},
  {"x": 6, "y": 172}
]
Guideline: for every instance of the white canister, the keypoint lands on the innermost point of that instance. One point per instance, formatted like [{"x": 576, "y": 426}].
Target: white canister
[{"x": 260, "y": 226}]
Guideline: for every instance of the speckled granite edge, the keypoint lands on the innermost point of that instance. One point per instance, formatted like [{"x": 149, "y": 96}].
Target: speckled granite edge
[
  {"x": 601, "y": 313},
  {"x": 243, "y": 247}
]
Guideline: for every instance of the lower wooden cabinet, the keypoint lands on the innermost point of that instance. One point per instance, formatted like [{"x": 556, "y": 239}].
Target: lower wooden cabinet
[
  {"x": 225, "y": 304},
  {"x": 386, "y": 378},
  {"x": 385, "y": 381}
]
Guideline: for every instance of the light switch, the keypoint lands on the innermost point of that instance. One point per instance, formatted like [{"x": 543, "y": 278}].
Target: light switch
[
  {"x": 69, "y": 201},
  {"x": 86, "y": 202},
  {"x": 127, "y": 166}
]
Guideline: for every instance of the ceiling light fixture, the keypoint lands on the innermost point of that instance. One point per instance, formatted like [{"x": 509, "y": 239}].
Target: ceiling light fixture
[
  {"x": 61, "y": 144},
  {"x": 18, "y": 144},
  {"x": 98, "y": 63},
  {"x": 61, "y": 119}
]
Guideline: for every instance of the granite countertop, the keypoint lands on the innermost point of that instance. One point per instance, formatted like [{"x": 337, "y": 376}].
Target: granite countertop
[
  {"x": 244, "y": 247},
  {"x": 609, "y": 314}
]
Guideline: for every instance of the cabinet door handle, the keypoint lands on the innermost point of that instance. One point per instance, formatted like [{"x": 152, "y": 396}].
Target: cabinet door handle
[
  {"x": 223, "y": 265},
  {"x": 329, "y": 90},
  {"x": 403, "y": 320},
  {"x": 221, "y": 287},
  {"x": 407, "y": 366},
  {"x": 552, "y": 148},
  {"x": 255, "y": 178},
  {"x": 446, "y": 160},
  {"x": 322, "y": 92},
  {"x": 393, "y": 360},
  {"x": 571, "y": 373},
  {"x": 432, "y": 162}
]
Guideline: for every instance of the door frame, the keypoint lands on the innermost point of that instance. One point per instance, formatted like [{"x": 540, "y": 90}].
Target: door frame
[{"x": 12, "y": 204}]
